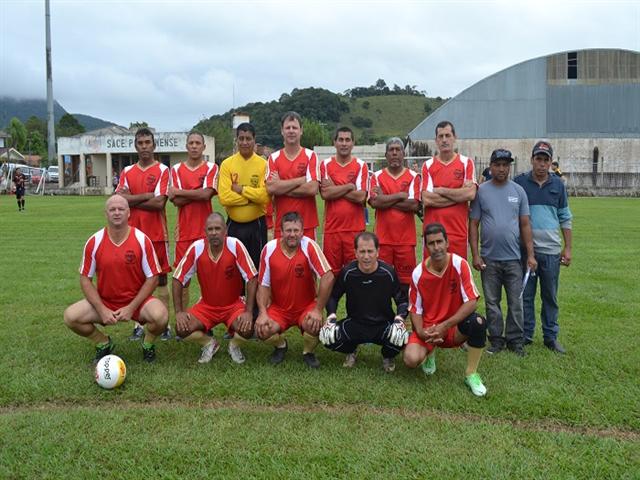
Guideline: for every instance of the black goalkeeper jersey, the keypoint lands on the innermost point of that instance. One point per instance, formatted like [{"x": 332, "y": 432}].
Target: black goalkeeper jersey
[{"x": 369, "y": 294}]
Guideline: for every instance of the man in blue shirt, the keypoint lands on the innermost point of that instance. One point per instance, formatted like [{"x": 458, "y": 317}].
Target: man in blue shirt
[
  {"x": 550, "y": 217},
  {"x": 501, "y": 210}
]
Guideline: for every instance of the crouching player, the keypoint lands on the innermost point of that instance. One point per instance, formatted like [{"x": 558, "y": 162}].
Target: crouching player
[
  {"x": 286, "y": 297},
  {"x": 222, "y": 264},
  {"x": 127, "y": 268},
  {"x": 443, "y": 300},
  {"x": 369, "y": 284}
]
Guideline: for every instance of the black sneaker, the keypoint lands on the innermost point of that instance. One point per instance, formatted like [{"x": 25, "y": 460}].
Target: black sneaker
[
  {"x": 137, "y": 334},
  {"x": 311, "y": 360},
  {"x": 554, "y": 346},
  {"x": 278, "y": 354},
  {"x": 495, "y": 348},
  {"x": 518, "y": 349},
  {"x": 149, "y": 353},
  {"x": 104, "y": 350}
]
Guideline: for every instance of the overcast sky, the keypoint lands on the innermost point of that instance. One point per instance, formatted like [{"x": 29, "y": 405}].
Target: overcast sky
[{"x": 171, "y": 63}]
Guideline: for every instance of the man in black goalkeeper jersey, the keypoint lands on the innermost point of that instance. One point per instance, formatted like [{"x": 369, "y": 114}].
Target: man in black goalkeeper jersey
[{"x": 369, "y": 284}]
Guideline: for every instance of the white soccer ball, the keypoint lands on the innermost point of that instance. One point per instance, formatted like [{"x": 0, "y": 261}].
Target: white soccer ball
[{"x": 110, "y": 372}]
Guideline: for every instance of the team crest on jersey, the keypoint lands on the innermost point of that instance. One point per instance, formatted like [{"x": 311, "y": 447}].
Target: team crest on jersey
[
  {"x": 458, "y": 174},
  {"x": 351, "y": 177},
  {"x": 151, "y": 180},
  {"x": 228, "y": 272},
  {"x": 453, "y": 286},
  {"x": 254, "y": 180},
  {"x": 129, "y": 257},
  {"x": 301, "y": 169},
  {"x": 298, "y": 270}
]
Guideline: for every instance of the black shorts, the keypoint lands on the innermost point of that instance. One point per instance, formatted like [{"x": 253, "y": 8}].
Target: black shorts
[
  {"x": 20, "y": 192},
  {"x": 252, "y": 234}
]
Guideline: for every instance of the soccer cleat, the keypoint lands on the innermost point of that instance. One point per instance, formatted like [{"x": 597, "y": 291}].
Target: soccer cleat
[
  {"x": 148, "y": 352},
  {"x": 518, "y": 349},
  {"x": 554, "y": 346},
  {"x": 429, "y": 364},
  {"x": 166, "y": 335},
  {"x": 388, "y": 365},
  {"x": 349, "y": 360},
  {"x": 474, "y": 382},
  {"x": 311, "y": 360},
  {"x": 138, "y": 333},
  {"x": 208, "y": 351},
  {"x": 236, "y": 354},
  {"x": 278, "y": 354},
  {"x": 104, "y": 349},
  {"x": 495, "y": 348}
]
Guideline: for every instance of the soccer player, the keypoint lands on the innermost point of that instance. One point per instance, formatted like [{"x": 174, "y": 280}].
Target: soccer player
[
  {"x": 502, "y": 209},
  {"x": 127, "y": 268},
  {"x": 550, "y": 218},
  {"x": 292, "y": 177},
  {"x": 193, "y": 183},
  {"x": 343, "y": 187},
  {"x": 286, "y": 295},
  {"x": 243, "y": 192},
  {"x": 443, "y": 301},
  {"x": 145, "y": 186},
  {"x": 448, "y": 185},
  {"x": 394, "y": 193},
  {"x": 19, "y": 182},
  {"x": 222, "y": 264},
  {"x": 369, "y": 284}
]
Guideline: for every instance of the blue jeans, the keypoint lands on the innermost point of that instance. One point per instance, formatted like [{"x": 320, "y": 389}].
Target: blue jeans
[
  {"x": 548, "y": 273},
  {"x": 495, "y": 276}
]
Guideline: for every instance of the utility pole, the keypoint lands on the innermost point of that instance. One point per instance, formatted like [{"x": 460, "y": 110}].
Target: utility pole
[{"x": 51, "y": 134}]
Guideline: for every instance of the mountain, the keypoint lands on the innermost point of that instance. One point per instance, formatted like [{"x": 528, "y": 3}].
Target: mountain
[{"x": 24, "y": 108}]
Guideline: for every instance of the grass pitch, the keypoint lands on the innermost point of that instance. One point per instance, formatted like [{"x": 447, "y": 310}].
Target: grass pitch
[{"x": 545, "y": 416}]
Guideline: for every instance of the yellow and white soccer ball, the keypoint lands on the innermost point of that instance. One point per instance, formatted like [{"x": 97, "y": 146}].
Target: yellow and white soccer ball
[{"x": 110, "y": 372}]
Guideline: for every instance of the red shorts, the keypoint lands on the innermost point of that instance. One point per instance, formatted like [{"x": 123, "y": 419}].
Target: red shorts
[
  {"x": 180, "y": 250},
  {"x": 338, "y": 248},
  {"x": 449, "y": 340},
  {"x": 136, "y": 314},
  {"x": 308, "y": 232},
  {"x": 287, "y": 318},
  {"x": 403, "y": 259},
  {"x": 162, "y": 252},
  {"x": 210, "y": 316}
]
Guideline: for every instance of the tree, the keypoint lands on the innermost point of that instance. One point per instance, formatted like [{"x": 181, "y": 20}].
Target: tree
[
  {"x": 18, "y": 134},
  {"x": 68, "y": 126},
  {"x": 222, "y": 133},
  {"x": 137, "y": 125},
  {"x": 314, "y": 133},
  {"x": 35, "y": 124}
]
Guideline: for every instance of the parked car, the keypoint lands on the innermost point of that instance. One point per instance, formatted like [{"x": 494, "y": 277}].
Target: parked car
[
  {"x": 52, "y": 174},
  {"x": 36, "y": 175}
]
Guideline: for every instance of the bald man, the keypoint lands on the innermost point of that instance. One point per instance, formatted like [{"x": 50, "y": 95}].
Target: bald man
[{"x": 127, "y": 269}]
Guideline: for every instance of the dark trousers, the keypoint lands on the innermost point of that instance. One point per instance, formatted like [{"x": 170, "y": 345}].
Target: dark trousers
[
  {"x": 352, "y": 333},
  {"x": 252, "y": 234}
]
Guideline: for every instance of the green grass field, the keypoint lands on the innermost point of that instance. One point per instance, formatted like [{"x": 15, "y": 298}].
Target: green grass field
[{"x": 545, "y": 416}]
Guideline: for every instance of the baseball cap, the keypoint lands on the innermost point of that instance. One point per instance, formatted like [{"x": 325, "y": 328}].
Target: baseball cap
[
  {"x": 501, "y": 154},
  {"x": 543, "y": 148}
]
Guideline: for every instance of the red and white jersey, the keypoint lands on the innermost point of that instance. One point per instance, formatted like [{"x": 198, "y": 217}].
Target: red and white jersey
[
  {"x": 191, "y": 217},
  {"x": 342, "y": 215},
  {"x": 438, "y": 297},
  {"x": 121, "y": 269},
  {"x": 394, "y": 226},
  {"x": 154, "y": 178},
  {"x": 455, "y": 218},
  {"x": 304, "y": 165},
  {"x": 292, "y": 279},
  {"x": 220, "y": 279}
]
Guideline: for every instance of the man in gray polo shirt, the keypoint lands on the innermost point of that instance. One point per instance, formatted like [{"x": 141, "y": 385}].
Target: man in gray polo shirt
[{"x": 501, "y": 209}]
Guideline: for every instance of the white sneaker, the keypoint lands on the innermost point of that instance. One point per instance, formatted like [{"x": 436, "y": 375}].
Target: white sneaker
[
  {"x": 208, "y": 351},
  {"x": 349, "y": 360},
  {"x": 235, "y": 353}
]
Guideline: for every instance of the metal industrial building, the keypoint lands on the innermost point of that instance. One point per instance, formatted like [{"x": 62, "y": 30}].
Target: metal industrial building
[{"x": 585, "y": 102}]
